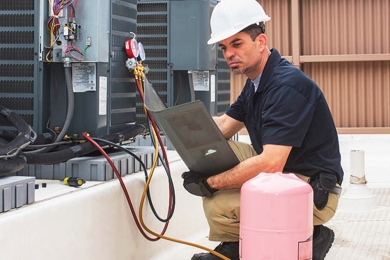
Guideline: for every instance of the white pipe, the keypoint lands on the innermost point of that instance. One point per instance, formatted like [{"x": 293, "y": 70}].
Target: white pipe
[{"x": 357, "y": 167}]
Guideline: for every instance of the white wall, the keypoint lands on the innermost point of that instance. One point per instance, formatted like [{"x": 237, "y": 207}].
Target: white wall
[{"x": 95, "y": 222}]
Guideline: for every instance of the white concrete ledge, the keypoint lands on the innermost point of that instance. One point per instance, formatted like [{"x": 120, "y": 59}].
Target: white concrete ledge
[{"x": 95, "y": 222}]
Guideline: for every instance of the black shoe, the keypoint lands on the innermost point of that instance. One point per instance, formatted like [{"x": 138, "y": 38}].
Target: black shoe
[
  {"x": 228, "y": 249},
  {"x": 322, "y": 241}
]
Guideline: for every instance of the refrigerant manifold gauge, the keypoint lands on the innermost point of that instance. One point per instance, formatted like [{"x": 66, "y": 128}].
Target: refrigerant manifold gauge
[{"x": 131, "y": 47}]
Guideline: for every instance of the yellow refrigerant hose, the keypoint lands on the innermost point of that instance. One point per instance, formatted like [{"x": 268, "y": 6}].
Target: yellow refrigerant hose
[{"x": 139, "y": 77}]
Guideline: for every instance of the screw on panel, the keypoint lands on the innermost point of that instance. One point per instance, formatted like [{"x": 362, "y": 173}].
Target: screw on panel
[{"x": 89, "y": 41}]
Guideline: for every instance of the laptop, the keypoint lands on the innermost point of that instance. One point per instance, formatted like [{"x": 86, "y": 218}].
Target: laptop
[{"x": 192, "y": 132}]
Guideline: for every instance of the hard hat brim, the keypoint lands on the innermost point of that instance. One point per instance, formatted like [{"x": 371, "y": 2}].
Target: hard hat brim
[{"x": 233, "y": 31}]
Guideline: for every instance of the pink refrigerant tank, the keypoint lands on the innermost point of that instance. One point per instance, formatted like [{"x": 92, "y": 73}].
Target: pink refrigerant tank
[{"x": 276, "y": 218}]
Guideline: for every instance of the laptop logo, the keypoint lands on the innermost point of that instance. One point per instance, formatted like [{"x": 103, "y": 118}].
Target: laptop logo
[{"x": 210, "y": 151}]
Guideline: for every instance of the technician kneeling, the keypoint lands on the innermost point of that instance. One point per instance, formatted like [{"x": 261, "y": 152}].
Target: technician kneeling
[{"x": 289, "y": 124}]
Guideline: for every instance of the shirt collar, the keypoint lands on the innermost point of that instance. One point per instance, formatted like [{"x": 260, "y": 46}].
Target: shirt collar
[{"x": 256, "y": 82}]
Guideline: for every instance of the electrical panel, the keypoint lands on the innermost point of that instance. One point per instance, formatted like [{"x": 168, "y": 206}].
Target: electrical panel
[
  {"x": 79, "y": 30},
  {"x": 183, "y": 67}
]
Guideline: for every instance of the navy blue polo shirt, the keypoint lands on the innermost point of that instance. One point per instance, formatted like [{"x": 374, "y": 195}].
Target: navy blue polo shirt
[{"x": 289, "y": 109}]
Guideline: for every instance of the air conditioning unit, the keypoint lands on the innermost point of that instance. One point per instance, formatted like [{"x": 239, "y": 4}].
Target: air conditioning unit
[
  {"x": 183, "y": 67},
  {"x": 105, "y": 91},
  {"x": 36, "y": 39}
]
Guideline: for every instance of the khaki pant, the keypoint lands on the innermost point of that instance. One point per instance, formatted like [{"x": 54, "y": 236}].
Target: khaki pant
[{"x": 222, "y": 210}]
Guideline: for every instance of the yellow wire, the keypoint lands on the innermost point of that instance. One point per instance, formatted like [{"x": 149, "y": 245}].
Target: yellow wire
[
  {"x": 69, "y": 28},
  {"x": 47, "y": 56},
  {"x": 143, "y": 200},
  {"x": 51, "y": 30}
]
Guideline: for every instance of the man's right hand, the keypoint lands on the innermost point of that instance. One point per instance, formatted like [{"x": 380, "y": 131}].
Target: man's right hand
[{"x": 196, "y": 184}]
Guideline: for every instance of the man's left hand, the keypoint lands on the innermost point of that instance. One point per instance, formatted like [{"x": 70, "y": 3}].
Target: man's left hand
[{"x": 196, "y": 184}]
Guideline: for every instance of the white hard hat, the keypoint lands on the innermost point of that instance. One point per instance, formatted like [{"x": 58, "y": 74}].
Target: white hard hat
[{"x": 231, "y": 16}]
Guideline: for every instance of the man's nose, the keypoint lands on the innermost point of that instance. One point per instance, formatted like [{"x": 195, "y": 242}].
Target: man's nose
[{"x": 229, "y": 54}]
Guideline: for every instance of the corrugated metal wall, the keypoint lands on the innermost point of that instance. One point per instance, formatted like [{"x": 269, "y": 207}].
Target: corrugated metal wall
[
  {"x": 344, "y": 46},
  {"x": 345, "y": 27},
  {"x": 358, "y": 92}
]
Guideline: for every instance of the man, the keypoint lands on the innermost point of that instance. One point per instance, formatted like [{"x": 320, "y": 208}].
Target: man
[{"x": 289, "y": 123}]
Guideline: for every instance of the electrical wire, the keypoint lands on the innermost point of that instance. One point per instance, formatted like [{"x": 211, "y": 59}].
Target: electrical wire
[
  {"x": 54, "y": 24},
  {"x": 70, "y": 49}
]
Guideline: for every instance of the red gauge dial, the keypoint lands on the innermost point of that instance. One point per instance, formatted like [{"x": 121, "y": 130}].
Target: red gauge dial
[{"x": 131, "y": 47}]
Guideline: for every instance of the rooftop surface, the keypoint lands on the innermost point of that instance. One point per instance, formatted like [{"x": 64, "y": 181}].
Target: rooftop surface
[
  {"x": 100, "y": 218},
  {"x": 362, "y": 221}
]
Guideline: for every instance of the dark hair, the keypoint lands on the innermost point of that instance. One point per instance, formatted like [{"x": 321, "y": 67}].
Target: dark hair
[{"x": 254, "y": 30}]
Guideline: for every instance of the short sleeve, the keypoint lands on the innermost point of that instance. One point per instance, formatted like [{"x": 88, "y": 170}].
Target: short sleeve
[
  {"x": 238, "y": 110},
  {"x": 287, "y": 115}
]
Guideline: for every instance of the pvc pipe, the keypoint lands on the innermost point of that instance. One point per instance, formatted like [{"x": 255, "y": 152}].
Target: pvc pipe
[{"x": 357, "y": 167}]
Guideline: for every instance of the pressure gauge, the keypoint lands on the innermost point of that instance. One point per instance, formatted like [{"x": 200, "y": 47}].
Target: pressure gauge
[
  {"x": 141, "y": 55},
  {"x": 132, "y": 50}
]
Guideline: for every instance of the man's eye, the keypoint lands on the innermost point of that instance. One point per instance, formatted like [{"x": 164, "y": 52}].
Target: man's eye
[{"x": 236, "y": 45}]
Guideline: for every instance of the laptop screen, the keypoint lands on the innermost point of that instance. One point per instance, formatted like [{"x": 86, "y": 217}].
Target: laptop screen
[
  {"x": 191, "y": 129},
  {"x": 193, "y": 133}
]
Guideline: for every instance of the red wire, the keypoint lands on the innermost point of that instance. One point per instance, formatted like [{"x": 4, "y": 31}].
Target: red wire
[{"x": 124, "y": 189}]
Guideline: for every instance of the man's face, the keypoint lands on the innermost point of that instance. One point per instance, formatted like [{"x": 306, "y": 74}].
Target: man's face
[{"x": 242, "y": 54}]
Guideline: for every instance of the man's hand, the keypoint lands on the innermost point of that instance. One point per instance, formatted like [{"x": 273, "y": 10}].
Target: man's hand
[{"x": 196, "y": 184}]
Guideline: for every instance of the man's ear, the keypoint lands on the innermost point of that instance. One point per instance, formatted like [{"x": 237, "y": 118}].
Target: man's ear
[{"x": 262, "y": 39}]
